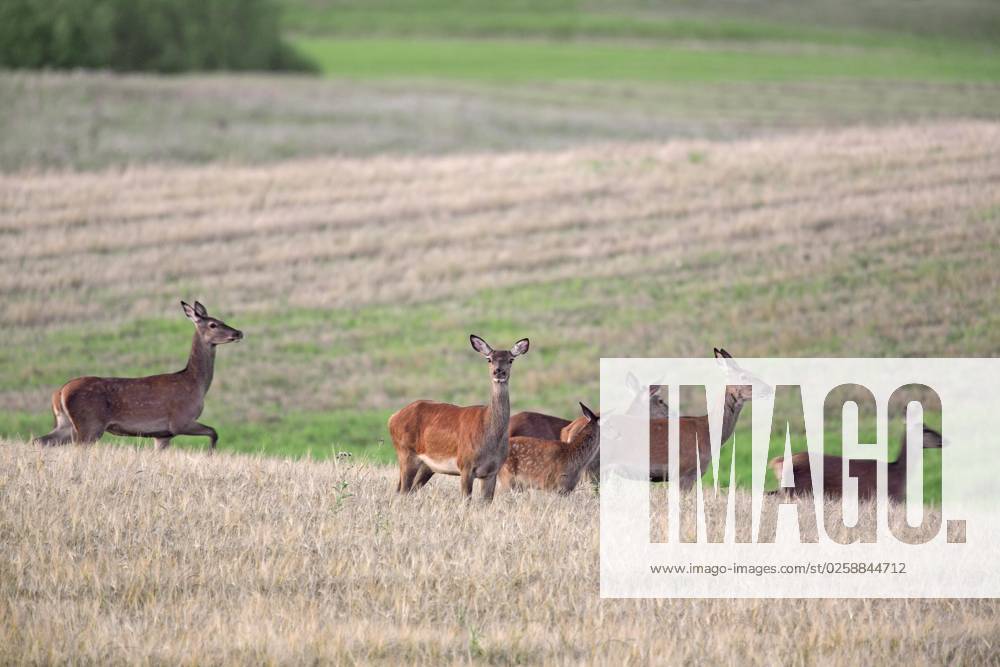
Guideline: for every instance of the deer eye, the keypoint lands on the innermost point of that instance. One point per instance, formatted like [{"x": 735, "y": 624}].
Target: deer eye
[{"x": 211, "y": 325}]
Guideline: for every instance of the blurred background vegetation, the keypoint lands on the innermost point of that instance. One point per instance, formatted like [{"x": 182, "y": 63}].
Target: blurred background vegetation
[{"x": 149, "y": 35}]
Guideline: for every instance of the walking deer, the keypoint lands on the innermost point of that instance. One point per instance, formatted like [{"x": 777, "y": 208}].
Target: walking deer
[
  {"x": 471, "y": 442},
  {"x": 158, "y": 406},
  {"x": 865, "y": 472},
  {"x": 551, "y": 465}
]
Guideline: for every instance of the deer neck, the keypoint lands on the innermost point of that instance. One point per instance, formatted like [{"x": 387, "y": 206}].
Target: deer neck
[
  {"x": 730, "y": 415},
  {"x": 897, "y": 468},
  {"x": 582, "y": 447},
  {"x": 201, "y": 363},
  {"x": 498, "y": 414}
]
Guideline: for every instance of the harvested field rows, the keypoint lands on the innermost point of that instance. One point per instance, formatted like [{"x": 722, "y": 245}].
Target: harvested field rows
[{"x": 853, "y": 242}]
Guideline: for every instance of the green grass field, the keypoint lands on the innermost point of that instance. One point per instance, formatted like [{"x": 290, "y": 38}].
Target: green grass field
[
  {"x": 528, "y": 61},
  {"x": 852, "y": 22},
  {"x": 567, "y": 40}
]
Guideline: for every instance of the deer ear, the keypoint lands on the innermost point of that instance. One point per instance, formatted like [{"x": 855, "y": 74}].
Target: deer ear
[
  {"x": 520, "y": 347},
  {"x": 200, "y": 309},
  {"x": 190, "y": 312},
  {"x": 724, "y": 359},
  {"x": 480, "y": 345},
  {"x": 588, "y": 413}
]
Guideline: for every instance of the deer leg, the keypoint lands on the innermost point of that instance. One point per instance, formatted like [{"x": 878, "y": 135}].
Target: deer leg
[
  {"x": 687, "y": 482},
  {"x": 409, "y": 465},
  {"x": 86, "y": 431},
  {"x": 62, "y": 429},
  {"x": 58, "y": 436},
  {"x": 162, "y": 443},
  {"x": 197, "y": 428},
  {"x": 424, "y": 473},
  {"x": 467, "y": 478},
  {"x": 489, "y": 486}
]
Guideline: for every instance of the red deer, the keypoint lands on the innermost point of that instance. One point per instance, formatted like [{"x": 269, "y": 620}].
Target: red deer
[
  {"x": 551, "y": 465},
  {"x": 471, "y": 442},
  {"x": 694, "y": 447},
  {"x": 158, "y": 406},
  {"x": 864, "y": 471}
]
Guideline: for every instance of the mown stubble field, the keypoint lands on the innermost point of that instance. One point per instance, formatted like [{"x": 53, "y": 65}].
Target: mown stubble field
[
  {"x": 117, "y": 555},
  {"x": 854, "y": 242}
]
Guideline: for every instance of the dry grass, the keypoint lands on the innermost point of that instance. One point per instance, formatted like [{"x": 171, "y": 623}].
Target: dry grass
[{"x": 120, "y": 556}]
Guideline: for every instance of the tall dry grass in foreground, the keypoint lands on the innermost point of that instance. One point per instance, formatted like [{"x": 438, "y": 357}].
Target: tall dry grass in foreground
[{"x": 116, "y": 555}]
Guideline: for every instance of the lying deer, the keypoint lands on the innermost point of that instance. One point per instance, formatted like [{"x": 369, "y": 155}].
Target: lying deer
[
  {"x": 865, "y": 472},
  {"x": 158, "y": 406},
  {"x": 471, "y": 442},
  {"x": 548, "y": 427},
  {"x": 551, "y": 465}
]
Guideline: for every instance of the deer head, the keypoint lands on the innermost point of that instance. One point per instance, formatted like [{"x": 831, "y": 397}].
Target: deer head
[
  {"x": 657, "y": 406},
  {"x": 500, "y": 361},
  {"x": 210, "y": 330},
  {"x": 739, "y": 380}
]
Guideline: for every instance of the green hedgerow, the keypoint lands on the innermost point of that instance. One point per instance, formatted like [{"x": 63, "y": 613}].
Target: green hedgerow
[{"x": 145, "y": 35}]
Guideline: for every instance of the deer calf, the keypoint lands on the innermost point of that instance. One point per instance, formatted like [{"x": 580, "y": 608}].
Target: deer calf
[
  {"x": 158, "y": 406},
  {"x": 865, "y": 472},
  {"x": 471, "y": 442},
  {"x": 552, "y": 465}
]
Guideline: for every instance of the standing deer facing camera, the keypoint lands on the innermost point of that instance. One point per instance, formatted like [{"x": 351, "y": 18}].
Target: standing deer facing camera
[
  {"x": 471, "y": 442},
  {"x": 158, "y": 406}
]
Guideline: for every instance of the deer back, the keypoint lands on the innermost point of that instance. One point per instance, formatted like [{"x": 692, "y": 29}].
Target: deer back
[
  {"x": 533, "y": 462},
  {"x": 537, "y": 425}
]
